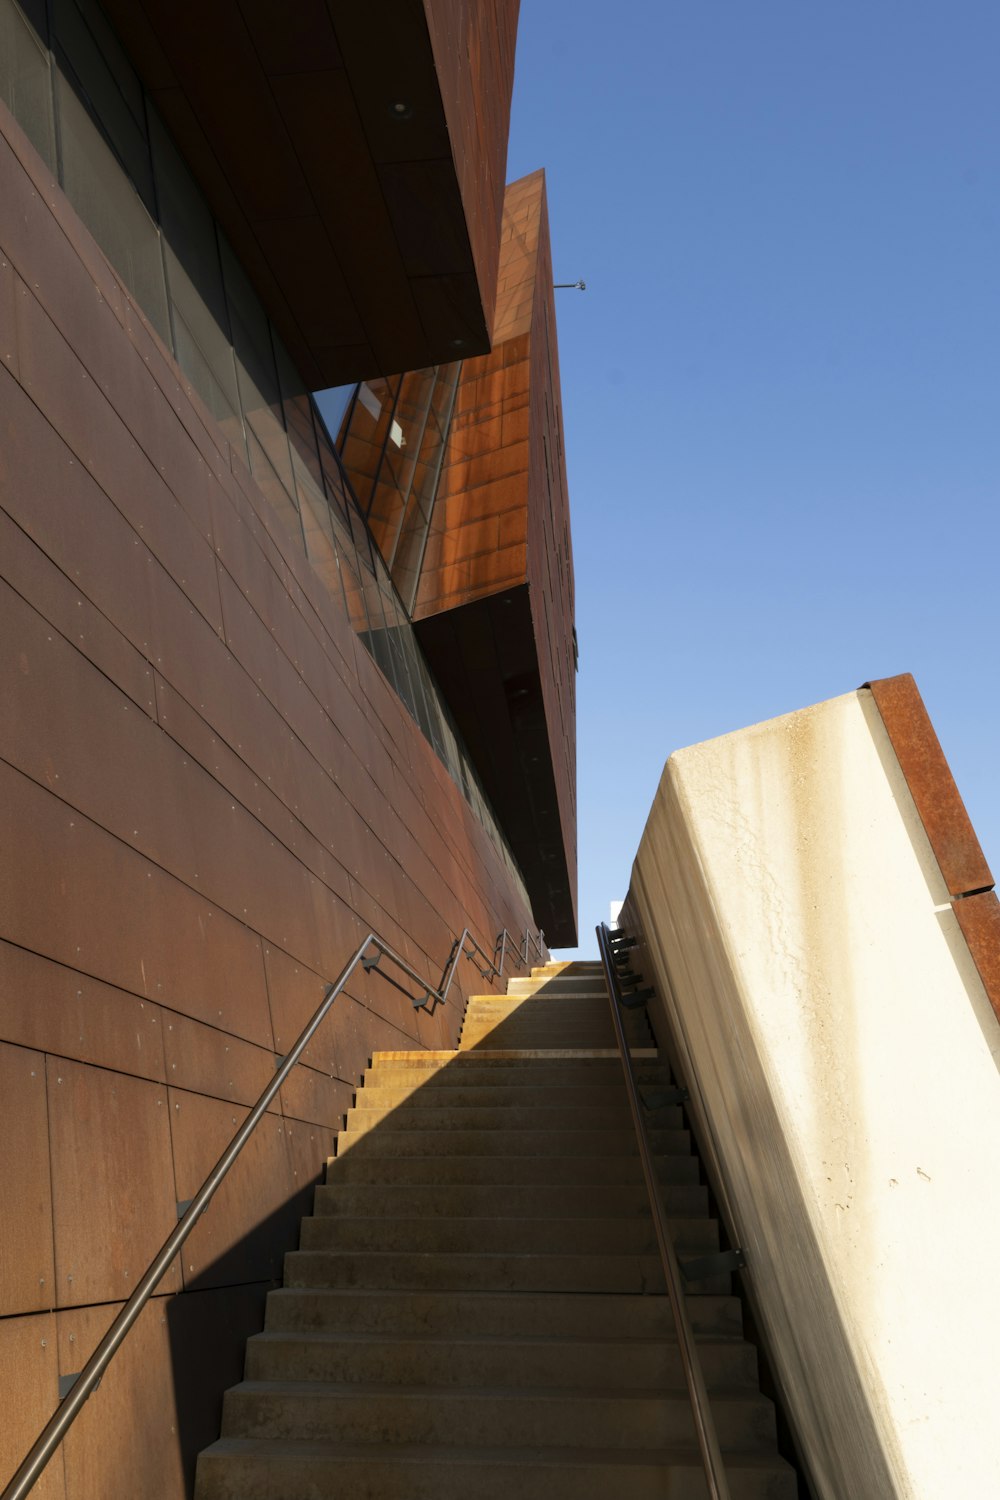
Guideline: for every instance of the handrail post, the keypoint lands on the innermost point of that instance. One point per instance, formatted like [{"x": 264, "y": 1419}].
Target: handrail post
[{"x": 708, "y": 1441}]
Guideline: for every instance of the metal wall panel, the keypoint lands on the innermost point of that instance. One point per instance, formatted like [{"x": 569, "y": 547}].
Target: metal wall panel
[
  {"x": 59, "y": 1010},
  {"x": 125, "y": 1440},
  {"x": 112, "y": 1180},
  {"x": 249, "y": 1224},
  {"x": 27, "y": 1267},
  {"x": 205, "y": 1060},
  {"x": 27, "y": 569},
  {"x": 310, "y": 803},
  {"x": 67, "y": 903},
  {"x": 30, "y": 1358}
]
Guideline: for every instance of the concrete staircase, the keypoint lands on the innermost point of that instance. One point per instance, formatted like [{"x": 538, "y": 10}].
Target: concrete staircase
[{"x": 477, "y": 1310}]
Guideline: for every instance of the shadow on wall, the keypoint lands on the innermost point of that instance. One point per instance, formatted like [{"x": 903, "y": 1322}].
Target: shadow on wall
[{"x": 160, "y": 1401}]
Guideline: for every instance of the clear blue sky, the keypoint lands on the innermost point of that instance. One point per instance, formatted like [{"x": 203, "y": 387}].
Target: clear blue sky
[{"x": 782, "y": 386}]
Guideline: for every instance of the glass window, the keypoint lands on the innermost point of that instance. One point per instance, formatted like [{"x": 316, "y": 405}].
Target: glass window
[
  {"x": 25, "y": 79},
  {"x": 108, "y": 85},
  {"x": 90, "y": 117},
  {"x": 257, "y": 375},
  {"x": 369, "y": 427},
  {"x": 202, "y": 341},
  {"x": 110, "y": 207}
]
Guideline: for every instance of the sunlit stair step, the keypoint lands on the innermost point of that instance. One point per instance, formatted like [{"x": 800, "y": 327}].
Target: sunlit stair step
[
  {"x": 582, "y": 967},
  {"x": 545, "y": 1027},
  {"x": 235, "y": 1469},
  {"x": 543, "y": 1035},
  {"x": 561, "y": 984}
]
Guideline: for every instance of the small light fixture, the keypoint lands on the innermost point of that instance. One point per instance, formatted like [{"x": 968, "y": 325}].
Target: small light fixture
[{"x": 400, "y": 110}]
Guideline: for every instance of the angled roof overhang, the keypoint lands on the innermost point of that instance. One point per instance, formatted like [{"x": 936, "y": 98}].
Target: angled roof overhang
[
  {"x": 354, "y": 156},
  {"x": 494, "y": 605}
]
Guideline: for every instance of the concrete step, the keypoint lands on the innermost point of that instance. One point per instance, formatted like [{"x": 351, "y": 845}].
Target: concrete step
[
  {"x": 532, "y": 1019},
  {"x": 560, "y": 985},
  {"x": 566, "y": 980},
  {"x": 523, "y": 1201},
  {"x": 540, "y": 1041},
  {"x": 523, "y": 1026},
  {"x": 575, "y": 1019},
  {"x": 557, "y": 1315},
  {"x": 240, "y": 1469},
  {"x": 637, "y": 1274},
  {"x": 484, "y": 1417},
  {"x": 500, "y": 1363},
  {"x": 563, "y": 1004},
  {"x": 386, "y": 1141},
  {"x": 365, "y": 1115},
  {"x": 371, "y": 1167},
  {"x": 532, "y": 993},
  {"x": 506, "y": 1236},
  {"x": 374, "y": 1094},
  {"x": 578, "y": 966},
  {"x": 496, "y": 1071},
  {"x": 518, "y": 1059}
]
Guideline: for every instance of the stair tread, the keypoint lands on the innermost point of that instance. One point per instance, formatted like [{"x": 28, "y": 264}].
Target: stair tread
[
  {"x": 518, "y": 1054},
  {"x": 564, "y": 1293},
  {"x": 463, "y": 1340},
  {"x": 535, "y": 1394},
  {"x": 423, "y": 1452}
]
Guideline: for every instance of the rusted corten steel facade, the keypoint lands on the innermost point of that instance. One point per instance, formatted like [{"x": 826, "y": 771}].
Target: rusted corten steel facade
[
  {"x": 208, "y": 794},
  {"x": 495, "y": 601},
  {"x": 354, "y": 155}
]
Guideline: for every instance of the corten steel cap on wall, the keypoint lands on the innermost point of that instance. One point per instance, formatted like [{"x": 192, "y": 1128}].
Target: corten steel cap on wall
[
  {"x": 948, "y": 826},
  {"x": 932, "y": 786},
  {"x": 354, "y": 155}
]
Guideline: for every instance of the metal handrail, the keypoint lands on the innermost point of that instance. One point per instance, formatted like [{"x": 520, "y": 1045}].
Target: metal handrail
[
  {"x": 539, "y": 945},
  {"x": 90, "y": 1376},
  {"x": 708, "y": 1441}
]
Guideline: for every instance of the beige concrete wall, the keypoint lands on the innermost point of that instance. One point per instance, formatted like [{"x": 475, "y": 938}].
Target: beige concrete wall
[{"x": 842, "y": 1056}]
